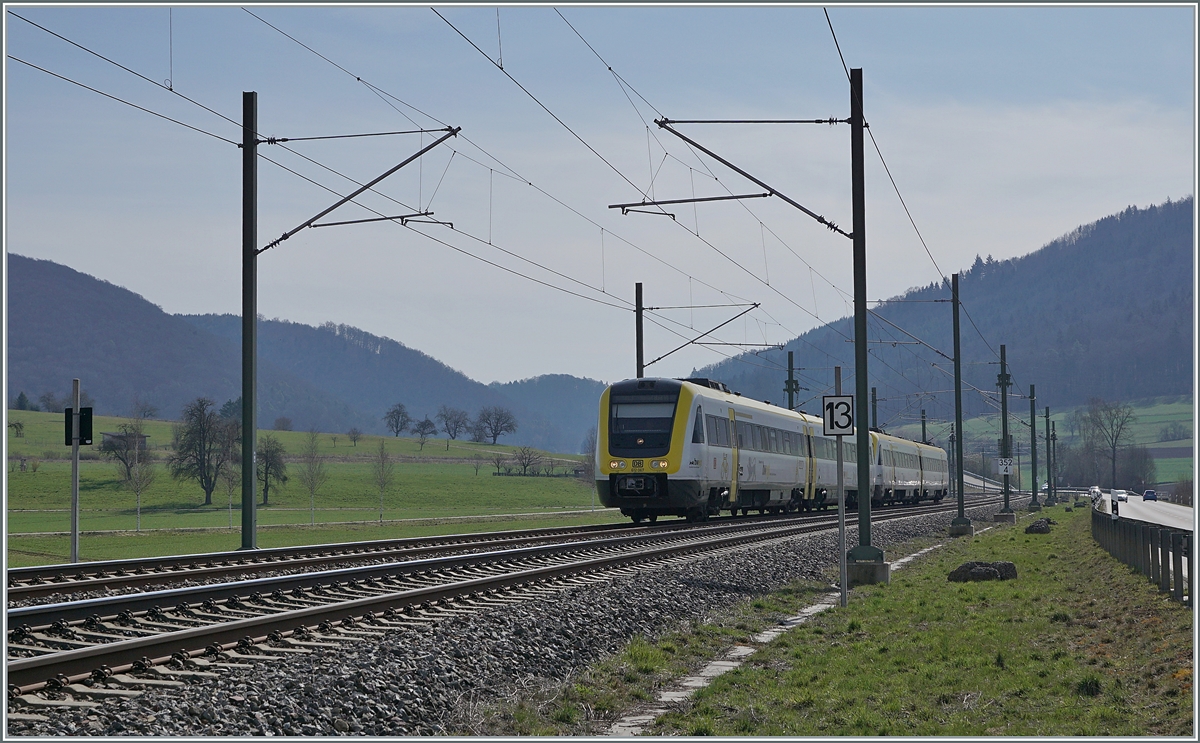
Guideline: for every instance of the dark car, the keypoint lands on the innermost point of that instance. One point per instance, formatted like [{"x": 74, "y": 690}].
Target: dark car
[{"x": 1149, "y": 495}]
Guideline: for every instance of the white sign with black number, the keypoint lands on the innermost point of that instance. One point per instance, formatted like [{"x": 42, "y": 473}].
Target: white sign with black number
[
  {"x": 838, "y": 412},
  {"x": 1005, "y": 464}
]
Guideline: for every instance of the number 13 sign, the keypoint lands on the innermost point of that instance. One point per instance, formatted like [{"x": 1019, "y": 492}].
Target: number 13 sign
[{"x": 839, "y": 414}]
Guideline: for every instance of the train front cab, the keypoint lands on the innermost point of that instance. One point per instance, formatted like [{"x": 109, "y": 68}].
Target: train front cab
[{"x": 641, "y": 440}]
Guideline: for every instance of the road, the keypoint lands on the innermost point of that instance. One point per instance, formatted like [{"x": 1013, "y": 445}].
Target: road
[{"x": 1155, "y": 512}]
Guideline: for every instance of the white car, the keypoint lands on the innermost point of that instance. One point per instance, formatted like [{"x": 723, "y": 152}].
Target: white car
[{"x": 1121, "y": 495}]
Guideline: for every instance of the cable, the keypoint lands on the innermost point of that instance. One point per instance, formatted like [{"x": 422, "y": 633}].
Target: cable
[{"x": 122, "y": 100}]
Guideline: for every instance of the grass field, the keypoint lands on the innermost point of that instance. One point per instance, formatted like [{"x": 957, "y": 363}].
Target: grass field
[
  {"x": 1077, "y": 645},
  {"x": 435, "y": 482}
]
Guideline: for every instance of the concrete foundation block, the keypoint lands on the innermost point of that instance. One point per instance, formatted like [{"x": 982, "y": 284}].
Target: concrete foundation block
[
  {"x": 962, "y": 530},
  {"x": 1005, "y": 518},
  {"x": 867, "y": 573}
]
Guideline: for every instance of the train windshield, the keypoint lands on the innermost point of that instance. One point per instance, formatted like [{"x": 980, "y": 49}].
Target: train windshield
[{"x": 643, "y": 417}]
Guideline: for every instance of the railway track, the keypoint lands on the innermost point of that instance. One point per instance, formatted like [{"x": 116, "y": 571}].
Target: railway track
[
  {"x": 122, "y": 642},
  {"x": 38, "y": 582}
]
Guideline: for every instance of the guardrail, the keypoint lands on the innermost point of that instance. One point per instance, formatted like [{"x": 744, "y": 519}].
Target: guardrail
[{"x": 1163, "y": 555}]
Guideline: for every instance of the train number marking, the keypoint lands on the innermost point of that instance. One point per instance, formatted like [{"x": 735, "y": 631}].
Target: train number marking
[{"x": 838, "y": 414}]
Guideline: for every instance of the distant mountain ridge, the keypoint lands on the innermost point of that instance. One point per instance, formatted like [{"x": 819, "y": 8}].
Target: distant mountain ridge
[
  {"x": 64, "y": 324},
  {"x": 1104, "y": 311}
]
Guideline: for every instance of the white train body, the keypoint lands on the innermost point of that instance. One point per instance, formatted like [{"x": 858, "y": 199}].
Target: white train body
[{"x": 691, "y": 448}]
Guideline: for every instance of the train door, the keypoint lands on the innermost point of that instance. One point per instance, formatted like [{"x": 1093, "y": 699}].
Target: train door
[
  {"x": 733, "y": 443},
  {"x": 810, "y": 485}
]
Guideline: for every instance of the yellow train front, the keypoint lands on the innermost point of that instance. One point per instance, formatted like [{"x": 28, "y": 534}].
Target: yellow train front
[{"x": 669, "y": 447}]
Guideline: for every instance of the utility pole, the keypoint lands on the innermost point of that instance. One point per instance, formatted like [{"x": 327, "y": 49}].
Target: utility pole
[
  {"x": 638, "y": 321},
  {"x": 1003, "y": 380},
  {"x": 74, "y": 412},
  {"x": 874, "y": 410},
  {"x": 792, "y": 386},
  {"x": 961, "y": 525},
  {"x": 1048, "y": 460},
  {"x": 867, "y": 561},
  {"x": 1033, "y": 504},
  {"x": 924, "y": 440},
  {"x": 249, "y": 316},
  {"x": 1053, "y": 464}
]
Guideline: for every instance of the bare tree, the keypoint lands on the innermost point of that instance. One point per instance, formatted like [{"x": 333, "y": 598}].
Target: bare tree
[
  {"x": 476, "y": 462},
  {"x": 142, "y": 409},
  {"x": 124, "y": 447},
  {"x": 18, "y": 428},
  {"x": 231, "y": 478},
  {"x": 588, "y": 448},
  {"x": 142, "y": 475},
  {"x": 397, "y": 419},
  {"x": 1109, "y": 424},
  {"x": 454, "y": 422},
  {"x": 312, "y": 473},
  {"x": 282, "y": 423},
  {"x": 271, "y": 465},
  {"x": 424, "y": 429},
  {"x": 526, "y": 458},
  {"x": 498, "y": 459},
  {"x": 496, "y": 421},
  {"x": 354, "y": 435},
  {"x": 383, "y": 471},
  {"x": 204, "y": 445}
]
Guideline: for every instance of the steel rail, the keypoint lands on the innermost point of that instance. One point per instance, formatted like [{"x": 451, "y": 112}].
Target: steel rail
[
  {"x": 138, "y": 572},
  {"x": 36, "y": 670}
]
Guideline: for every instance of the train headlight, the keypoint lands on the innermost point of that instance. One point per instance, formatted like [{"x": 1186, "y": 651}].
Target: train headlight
[
  {"x": 659, "y": 464},
  {"x": 616, "y": 464}
]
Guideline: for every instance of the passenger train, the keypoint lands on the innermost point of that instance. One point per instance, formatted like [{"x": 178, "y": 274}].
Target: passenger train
[{"x": 692, "y": 448}]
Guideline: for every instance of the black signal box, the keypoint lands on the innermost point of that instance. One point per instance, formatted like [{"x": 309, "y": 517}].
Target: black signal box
[{"x": 85, "y": 426}]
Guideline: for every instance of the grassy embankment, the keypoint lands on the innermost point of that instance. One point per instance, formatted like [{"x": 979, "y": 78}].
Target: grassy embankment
[
  {"x": 1077, "y": 645},
  {"x": 433, "y": 483}
]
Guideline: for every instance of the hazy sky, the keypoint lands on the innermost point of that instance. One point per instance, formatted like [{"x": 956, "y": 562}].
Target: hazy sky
[{"x": 1004, "y": 128}]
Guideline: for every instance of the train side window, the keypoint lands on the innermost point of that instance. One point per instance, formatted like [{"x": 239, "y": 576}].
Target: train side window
[
  {"x": 723, "y": 432},
  {"x": 698, "y": 429},
  {"x": 775, "y": 440},
  {"x": 787, "y": 442},
  {"x": 713, "y": 439}
]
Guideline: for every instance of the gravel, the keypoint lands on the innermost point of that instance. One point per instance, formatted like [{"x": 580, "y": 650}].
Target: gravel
[{"x": 417, "y": 681}]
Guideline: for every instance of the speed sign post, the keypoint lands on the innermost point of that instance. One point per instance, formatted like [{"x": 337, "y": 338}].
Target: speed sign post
[{"x": 838, "y": 412}]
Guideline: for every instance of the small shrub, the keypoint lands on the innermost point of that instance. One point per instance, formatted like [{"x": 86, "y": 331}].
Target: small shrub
[
  {"x": 1089, "y": 686},
  {"x": 854, "y": 626},
  {"x": 33, "y": 464},
  {"x": 566, "y": 715},
  {"x": 702, "y": 727},
  {"x": 1060, "y": 616}
]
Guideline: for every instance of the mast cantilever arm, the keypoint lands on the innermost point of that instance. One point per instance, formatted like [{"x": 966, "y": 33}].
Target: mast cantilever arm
[
  {"x": 450, "y": 132},
  {"x": 685, "y": 345},
  {"x": 663, "y": 124}
]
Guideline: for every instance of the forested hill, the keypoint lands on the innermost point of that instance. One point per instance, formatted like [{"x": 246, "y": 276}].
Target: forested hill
[
  {"x": 1104, "y": 311},
  {"x": 373, "y": 373},
  {"x": 64, "y": 324}
]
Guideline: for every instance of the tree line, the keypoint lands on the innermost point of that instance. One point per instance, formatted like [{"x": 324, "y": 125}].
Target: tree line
[
  {"x": 206, "y": 447},
  {"x": 490, "y": 422}
]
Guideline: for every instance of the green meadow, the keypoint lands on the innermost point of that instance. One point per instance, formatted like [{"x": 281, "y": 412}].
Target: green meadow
[{"x": 441, "y": 488}]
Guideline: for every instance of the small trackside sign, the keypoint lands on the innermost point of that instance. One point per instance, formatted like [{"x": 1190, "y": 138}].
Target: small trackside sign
[
  {"x": 1005, "y": 465},
  {"x": 838, "y": 413}
]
